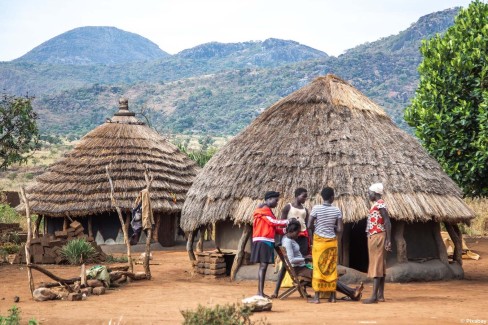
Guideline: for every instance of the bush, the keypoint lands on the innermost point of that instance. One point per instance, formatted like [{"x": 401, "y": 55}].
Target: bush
[
  {"x": 78, "y": 251},
  {"x": 10, "y": 248},
  {"x": 14, "y": 317},
  {"x": 219, "y": 315}
]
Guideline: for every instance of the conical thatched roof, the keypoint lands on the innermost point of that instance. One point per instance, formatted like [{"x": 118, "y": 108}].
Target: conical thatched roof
[
  {"x": 78, "y": 185},
  {"x": 324, "y": 134}
]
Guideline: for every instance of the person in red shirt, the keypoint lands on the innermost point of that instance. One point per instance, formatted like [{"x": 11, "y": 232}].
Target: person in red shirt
[
  {"x": 265, "y": 226},
  {"x": 378, "y": 230}
]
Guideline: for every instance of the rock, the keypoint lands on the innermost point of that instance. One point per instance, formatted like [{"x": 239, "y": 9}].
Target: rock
[
  {"x": 98, "y": 291},
  {"x": 94, "y": 283},
  {"x": 87, "y": 291},
  {"x": 74, "y": 296},
  {"x": 16, "y": 299},
  {"x": 43, "y": 294},
  {"x": 258, "y": 303}
]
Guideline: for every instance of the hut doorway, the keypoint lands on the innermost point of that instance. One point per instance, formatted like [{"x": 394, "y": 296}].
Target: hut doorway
[{"x": 355, "y": 237}]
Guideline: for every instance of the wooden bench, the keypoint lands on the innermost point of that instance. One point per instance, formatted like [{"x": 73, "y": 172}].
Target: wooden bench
[{"x": 299, "y": 282}]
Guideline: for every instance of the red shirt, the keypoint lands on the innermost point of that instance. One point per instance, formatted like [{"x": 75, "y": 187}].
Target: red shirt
[
  {"x": 375, "y": 223},
  {"x": 265, "y": 225}
]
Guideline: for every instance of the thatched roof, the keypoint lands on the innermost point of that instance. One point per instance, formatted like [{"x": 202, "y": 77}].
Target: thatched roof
[
  {"x": 324, "y": 134},
  {"x": 78, "y": 185}
]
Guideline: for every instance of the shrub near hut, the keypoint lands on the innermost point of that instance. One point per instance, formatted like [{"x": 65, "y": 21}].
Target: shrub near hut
[{"x": 78, "y": 251}]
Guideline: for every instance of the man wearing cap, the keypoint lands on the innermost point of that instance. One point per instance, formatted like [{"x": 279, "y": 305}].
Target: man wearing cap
[
  {"x": 378, "y": 229},
  {"x": 265, "y": 225}
]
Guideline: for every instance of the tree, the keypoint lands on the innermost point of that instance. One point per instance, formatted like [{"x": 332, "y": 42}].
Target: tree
[
  {"x": 18, "y": 129},
  {"x": 450, "y": 108}
]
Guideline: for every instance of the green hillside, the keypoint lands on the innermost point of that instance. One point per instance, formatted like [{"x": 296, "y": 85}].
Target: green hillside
[{"x": 219, "y": 88}]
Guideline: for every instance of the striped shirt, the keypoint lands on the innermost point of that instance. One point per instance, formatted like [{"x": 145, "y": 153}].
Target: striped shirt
[{"x": 326, "y": 217}]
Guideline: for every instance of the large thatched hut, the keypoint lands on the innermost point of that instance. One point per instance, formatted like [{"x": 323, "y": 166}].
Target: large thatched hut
[
  {"x": 77, "y": 185},
  {"x": 329, "y": 134}
]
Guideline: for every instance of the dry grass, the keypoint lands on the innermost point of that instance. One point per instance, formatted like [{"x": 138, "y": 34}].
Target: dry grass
[
  {"x": 479, "y": 225},
  {"x": 324, "y": 134}
]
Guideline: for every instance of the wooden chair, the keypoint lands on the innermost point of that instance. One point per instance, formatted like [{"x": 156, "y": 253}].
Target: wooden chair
[{"x": 299, "y": 282}]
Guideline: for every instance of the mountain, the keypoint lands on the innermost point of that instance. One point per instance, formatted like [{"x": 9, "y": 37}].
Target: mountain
[
  {"x": 94, "y": 45},
  {"x": 219, "y": 88},
  {"x": 269, "y": 53}
]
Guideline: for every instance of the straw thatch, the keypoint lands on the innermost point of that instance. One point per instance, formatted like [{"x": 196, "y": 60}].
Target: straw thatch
[
  {"x": 77, "y": 184},
  {"x": 324, "y": 134}
]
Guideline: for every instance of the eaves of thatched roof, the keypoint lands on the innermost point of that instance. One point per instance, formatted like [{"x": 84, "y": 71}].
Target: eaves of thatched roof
[
  {"x": 324, "y": 134},
  {"x": 77, "y": 184}
]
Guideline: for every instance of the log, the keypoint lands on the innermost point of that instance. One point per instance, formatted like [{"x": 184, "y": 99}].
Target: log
[
  {"x": 117, "y": 268},
  {"x": 240, "y": 251},
  {"x": 83, "y": 276},
  {"x": 52, "y": 276},
  {"x": 401, "y": 244},
  {"x": 28, "y": 242},
  {"x": 456, "y": 238},
  {"x": 441, "y": 248}
]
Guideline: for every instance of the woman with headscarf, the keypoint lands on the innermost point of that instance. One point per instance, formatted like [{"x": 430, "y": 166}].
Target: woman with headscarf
[{"x": 378, "y": 229}]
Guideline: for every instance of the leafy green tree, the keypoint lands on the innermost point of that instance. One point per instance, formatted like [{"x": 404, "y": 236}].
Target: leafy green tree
[
  {"x": 450, "y": 108},
  {"x": 18, "y": 129}
]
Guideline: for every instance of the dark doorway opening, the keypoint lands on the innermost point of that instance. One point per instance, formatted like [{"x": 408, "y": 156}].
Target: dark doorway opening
[{"x": 358, "y": 245}]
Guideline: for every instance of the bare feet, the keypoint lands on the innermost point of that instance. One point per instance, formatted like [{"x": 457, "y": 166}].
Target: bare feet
[
  {"x": 332, "y": 297},
  {"x": 381, "y": 299},
  {"x": 358, "y": 292},
  {"x": 370, "y": 301},
  {"x": 313, "y": 301},
  {"x": 273, "y": 296}
]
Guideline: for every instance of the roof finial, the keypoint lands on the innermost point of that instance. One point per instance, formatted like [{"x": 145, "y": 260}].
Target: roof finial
[{"x": 124, "y": 108}]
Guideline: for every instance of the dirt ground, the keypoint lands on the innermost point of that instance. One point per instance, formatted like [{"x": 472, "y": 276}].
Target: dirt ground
[{"x": 173, "y": 288}]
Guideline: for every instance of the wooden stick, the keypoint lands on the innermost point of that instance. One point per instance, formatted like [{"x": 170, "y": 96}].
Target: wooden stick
[
  {"x": 201, "y": 231},
  {"x": 65, "y": 224},
  {"x": 83, "y": 275},
  {"x": 401, "y": 244},
  {"x": 121, "y": 218},
  {"x": 28, "y": 242},
  {"x": 240, "y": 251}
]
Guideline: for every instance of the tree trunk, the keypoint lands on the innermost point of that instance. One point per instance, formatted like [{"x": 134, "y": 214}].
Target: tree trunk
[
  {"x": 201, "y": 231},
  {"x": 240, "y": 251},
  {"x": 454, "y": 233},
  {"x": 441, "y": 248},
  {"x": 28, "y": 242},
  {"x": 401, "y": 245},
  {"x": 189, "y": 244}
]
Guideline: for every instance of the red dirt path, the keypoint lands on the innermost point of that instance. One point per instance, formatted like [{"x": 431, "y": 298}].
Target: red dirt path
[{"x": 173, "y": 288}]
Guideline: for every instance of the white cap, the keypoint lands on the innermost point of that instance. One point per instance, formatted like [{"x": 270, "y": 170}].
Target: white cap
[{"x": 377, "y": 188}]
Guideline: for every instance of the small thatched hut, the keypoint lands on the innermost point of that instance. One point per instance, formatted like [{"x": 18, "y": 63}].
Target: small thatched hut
[
  {"x": 77, "y": 185},
  {"x": 329, "y": 134}
]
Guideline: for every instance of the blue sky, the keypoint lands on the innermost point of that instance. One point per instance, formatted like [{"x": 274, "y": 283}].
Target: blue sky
[{"x": 332, "y": 26}]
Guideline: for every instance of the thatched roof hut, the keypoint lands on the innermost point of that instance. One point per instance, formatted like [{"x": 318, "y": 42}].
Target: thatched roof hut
[
  {"x": 77, "y": 185},
  {"x": 324, "y": 134}
]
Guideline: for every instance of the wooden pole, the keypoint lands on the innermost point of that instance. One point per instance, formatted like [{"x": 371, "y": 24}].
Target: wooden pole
[
  {"x": 28, "y": 242},
  {"x": 36, "y": 226},
  {"x": 65, "y": 224},
  {"x": 457, "y": 240},
  {"x": 189, "y": 244},
  {"x": 240, "y": 251},
  {"x": 401, "y": 244},
  {"x": 201, "y": 231},
  {"x": 121, "y": 219},
  {"x": 83, "y": 276},
  {"x": 147, "y": 270},
  {"x": 44, "y": 231},
  {"x": 90, "y": 227},
  {"x": 441, "y": 248}
]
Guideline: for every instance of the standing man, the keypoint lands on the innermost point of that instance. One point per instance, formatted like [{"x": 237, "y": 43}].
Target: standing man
[
  {"x": 265, "y": 225},
  {"x": 378, "y": 229},
  {"x": 325, "y": 223}
]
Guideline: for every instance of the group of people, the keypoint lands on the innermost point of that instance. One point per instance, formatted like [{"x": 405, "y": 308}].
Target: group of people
[{"x": 312, "y": 238}]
